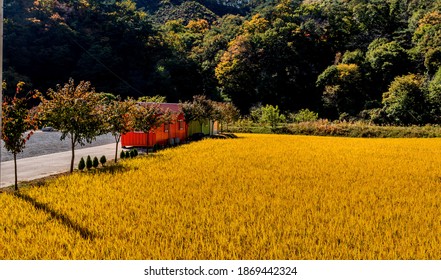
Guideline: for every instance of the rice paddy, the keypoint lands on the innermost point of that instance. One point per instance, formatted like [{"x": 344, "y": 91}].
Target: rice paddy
[{"x": 255, "y": 197}]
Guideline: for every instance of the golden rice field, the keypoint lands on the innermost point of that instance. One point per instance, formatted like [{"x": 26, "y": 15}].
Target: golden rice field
[{"x": 256, "y": 197}]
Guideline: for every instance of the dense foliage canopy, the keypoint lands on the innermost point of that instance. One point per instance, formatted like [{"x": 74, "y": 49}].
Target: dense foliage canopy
[{"x": 337, "y": 58}]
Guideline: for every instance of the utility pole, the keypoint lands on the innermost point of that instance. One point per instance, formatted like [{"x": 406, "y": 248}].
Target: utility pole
[{"x": 1, "y": 79}]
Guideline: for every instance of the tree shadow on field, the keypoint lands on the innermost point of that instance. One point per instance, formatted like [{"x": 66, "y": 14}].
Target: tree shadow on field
[
  {"x": 224, "y": 135},
  {"x": 63, "y": 219},
  {"x": 110, "y": 169},
  {"x": 231, "y": 135}
]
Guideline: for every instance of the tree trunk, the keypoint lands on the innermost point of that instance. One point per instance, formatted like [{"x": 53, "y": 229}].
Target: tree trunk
[
  {"x": 73, "y": 154},
  {"x": 15, "y": 171},
  {"x": 116, "y": 150}
]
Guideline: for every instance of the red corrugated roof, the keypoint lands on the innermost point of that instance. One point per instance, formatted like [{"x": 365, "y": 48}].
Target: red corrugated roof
[{"x": 173, "y": 107}]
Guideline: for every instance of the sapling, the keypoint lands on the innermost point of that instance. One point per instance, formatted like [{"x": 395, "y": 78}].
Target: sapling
[
  {"x": 81, "y": 165},
  {"x": 89, "y": 163},
  {"x": 95, "y": 162},
  {"x": 103, "y": 160}
]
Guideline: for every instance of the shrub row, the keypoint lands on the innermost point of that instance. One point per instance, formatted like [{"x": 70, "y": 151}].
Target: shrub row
[
  {"x": 128, "y": 154},
  {"x": 89, "y": 163},
  {"x": 346, "y": 129}
]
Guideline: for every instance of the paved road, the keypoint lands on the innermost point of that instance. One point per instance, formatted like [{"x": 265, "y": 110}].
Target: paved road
[
  {"x": 43, "y": 166},
  {"x": 44, "y": 143}
]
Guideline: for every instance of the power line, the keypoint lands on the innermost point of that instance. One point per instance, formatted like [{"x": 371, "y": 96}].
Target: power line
[
  {"x": 106, "y": 67},
  {"x": 99, "y": 61}
]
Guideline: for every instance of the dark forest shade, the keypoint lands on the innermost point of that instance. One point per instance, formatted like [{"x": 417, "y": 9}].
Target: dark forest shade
[{"x": 337, "y": 58}]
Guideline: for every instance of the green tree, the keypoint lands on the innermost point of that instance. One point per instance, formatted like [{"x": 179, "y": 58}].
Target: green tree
[
  {"x": 182, "y": 64},
  {"x": 432, "y": 60},
  {"x": 18, "y": 124},
  {"x": 304, "y": 115},
  {"x": 353, "y": 57},
  {"x": 256, "y": 113},
  {"x": 76, "y": 111},
  {"x": 272, "y": 115},
  {"x": 274, "y": 59},
  {"x": 427, "y": 40},
  {"x": 95, "y": 162},
  {"x": 81, "y": 164},
  {"x": 406, "y": 102},
  {"x": 434, "y": 97},
  {"x": 89, "y": 163},
  {"x": 377, "y": 18},
  {"x": 387, "y": 60},
  {"x": 341, "y": 89},
  {"x": 186, "y": 11},
  {"x": 103, "y": 160},
  {"x": 236, "y": 72},
  {"x": 207, "y": 51}
]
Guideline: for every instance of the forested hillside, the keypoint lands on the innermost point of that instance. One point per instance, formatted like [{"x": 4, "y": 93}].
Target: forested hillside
[{"x": 372, "y": 59}]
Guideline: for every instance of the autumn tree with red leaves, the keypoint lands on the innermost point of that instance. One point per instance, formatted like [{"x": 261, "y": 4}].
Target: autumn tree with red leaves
[
  {"x": 76, "y": 111},
  {"x": 119, "y": 119},
  {"x": 148, "y": 116},
  {"x": 18, "y": 124}
]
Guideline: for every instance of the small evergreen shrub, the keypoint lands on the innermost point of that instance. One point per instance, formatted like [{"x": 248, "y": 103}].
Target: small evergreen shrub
[
  {"x": 127, "y": 154},
  {"x": 132, "y": 153},
  {"x": 82, "y": 164},
  {"x": 135, "y": 151},
  {"x": 103, "y": 160},
  {"x": 89, "y": 163},
  {"x": 122, "y": 155},
  {"x": 95, "y": 162}
]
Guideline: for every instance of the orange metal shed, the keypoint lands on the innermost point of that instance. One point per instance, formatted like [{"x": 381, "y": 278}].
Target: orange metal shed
[{"x": 171, "y": 133}]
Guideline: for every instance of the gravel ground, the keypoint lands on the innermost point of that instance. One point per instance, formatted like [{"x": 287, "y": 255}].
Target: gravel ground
[{"x": 43, "y": 143}]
